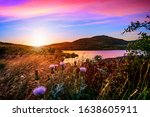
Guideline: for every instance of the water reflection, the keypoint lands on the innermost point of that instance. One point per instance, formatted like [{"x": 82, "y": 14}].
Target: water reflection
[{"x": 91, "y": 54}]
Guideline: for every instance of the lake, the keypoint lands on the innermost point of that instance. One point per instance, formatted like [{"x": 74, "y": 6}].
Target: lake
[{"x": 91, "y": 54}]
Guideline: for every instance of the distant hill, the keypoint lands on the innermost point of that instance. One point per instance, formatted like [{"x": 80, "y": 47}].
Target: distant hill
[
  {"x": 94, "y": 43},
  {"x": 10, "y": 48},
  {"x": 19, "y": 49}
]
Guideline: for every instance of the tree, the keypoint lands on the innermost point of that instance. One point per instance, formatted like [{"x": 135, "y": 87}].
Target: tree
[{"x": 143, "y": 44}]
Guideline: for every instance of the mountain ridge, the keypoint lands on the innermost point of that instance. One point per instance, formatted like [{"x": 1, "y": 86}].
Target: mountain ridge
[
  {"x": 101, "y": 42},
  {"x": 92, "y": 43}
]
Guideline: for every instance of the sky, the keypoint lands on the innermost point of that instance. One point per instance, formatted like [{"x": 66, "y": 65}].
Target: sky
[{"x": 35, "y": 22}]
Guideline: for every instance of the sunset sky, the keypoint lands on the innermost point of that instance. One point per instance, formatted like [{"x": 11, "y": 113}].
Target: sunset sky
[{"x": 50, "y": 21}]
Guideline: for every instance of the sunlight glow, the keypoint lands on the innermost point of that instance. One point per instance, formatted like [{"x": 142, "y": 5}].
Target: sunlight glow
[{"x": 39, "y": 38}]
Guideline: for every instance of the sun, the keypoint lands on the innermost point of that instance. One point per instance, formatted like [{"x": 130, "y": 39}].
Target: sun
[{"x": 39, "y": 38}]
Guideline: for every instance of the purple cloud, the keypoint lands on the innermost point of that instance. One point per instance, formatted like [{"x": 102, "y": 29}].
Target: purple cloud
[{"x": 11, "y": 2}]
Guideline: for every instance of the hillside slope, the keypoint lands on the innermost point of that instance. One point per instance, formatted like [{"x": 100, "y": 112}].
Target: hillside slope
[{"x": 93, "y": 43}]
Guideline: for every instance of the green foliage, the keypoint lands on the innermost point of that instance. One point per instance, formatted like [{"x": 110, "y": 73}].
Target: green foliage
[
  {"x": 143, "y": 43},
  {"x": 138, "y": 67}
]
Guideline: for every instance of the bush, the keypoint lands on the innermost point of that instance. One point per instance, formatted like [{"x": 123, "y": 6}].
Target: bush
[{"x": 143, "y": 43}]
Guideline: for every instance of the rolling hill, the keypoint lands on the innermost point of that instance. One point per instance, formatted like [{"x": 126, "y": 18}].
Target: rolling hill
[{"x": 94, "y": 43}]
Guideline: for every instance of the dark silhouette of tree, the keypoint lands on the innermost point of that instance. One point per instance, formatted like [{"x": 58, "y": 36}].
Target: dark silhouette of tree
[{"x": 143, "y": 43}]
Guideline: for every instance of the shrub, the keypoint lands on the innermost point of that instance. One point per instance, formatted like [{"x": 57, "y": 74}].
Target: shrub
[{"x": 143, "y": 43}]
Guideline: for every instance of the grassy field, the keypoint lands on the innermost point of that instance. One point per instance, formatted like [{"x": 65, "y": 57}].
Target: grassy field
[{"x": 118, "y": 78}]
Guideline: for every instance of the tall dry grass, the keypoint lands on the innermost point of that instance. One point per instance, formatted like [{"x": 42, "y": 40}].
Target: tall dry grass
[{"x": 118, "y": 78}]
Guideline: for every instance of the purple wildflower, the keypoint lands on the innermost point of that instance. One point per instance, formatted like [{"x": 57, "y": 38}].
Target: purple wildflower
[
  {"x": 62, "y": 63},
  {"x": 39, "y": 90},
  {"x": 56, "y": 65},
  {"x": 83, "y": 69},
  {"x": 52, "y": 66}
]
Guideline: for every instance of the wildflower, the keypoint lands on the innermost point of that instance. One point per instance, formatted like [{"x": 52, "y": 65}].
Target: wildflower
[
  {"x": 39, "y": 90},
  {"x": 83, "y": 69},
  {"x": 62, "y": 64},
  {"x": 56, "y": 65},
  {"x": 52, "y": 67}
]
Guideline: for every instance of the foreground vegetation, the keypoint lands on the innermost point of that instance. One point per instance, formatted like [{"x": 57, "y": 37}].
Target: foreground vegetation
[{"x": 118, "y": 78}]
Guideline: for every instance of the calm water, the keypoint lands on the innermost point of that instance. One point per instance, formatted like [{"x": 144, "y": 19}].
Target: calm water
[{"x": 91, "y": 54}]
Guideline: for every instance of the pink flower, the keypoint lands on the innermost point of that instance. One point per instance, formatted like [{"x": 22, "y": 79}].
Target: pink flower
[
  {"x": 62, "y": 63},
  {"x": 56, "y": 65},
  {"x": 83, "y": 69},
  {"x": 52, "y": 66}
]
